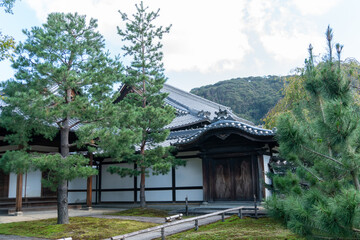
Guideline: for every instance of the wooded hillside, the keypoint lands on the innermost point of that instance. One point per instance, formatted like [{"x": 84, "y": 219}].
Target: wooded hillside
[{"x": 250, "y": 98}]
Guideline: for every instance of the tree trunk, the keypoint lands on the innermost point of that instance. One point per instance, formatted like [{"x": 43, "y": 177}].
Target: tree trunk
[
  {"x": 356, "y": 180},
  {"x": 62, "y": 198},
  {"x": 89, "y": 185},
  {"x": 142, "y": 188},
  {"x": 62, "y": 204},
  {"x": 19, "y": 187}
]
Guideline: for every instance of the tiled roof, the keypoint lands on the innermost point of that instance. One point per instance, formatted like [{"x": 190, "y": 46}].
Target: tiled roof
[
  {"x": 189, "y": 108},
  {"x": 250, "y": 130}
]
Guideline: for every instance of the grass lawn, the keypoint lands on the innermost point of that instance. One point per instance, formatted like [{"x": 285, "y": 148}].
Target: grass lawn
[
  {"x": 79, "y": 228},
  {"x": 141, "y": 212},
  {"x": 235, "y": 228}
]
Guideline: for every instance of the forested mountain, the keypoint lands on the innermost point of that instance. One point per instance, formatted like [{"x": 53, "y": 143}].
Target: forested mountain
[{"x": 250, "y": 98}]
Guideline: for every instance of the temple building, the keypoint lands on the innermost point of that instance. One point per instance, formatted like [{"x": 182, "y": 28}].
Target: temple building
[{"x": 226, "y": 157}]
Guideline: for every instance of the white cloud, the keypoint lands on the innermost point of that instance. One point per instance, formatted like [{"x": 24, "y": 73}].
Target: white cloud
[
  {"x": 317, "y": 7},
  {"x": 203, "y": 33},
  {"x": 283, "y": 34},
  {"x": 210, "y": 35}
]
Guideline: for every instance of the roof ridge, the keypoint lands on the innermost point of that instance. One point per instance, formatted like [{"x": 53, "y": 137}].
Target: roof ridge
[
  {"x": 208, "y": 102},
  {"x": 196, "y": 96}
]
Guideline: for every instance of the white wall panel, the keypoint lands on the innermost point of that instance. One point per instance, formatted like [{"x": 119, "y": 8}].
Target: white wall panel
[
  {"x": 267, "y": 179},
  {"x": 120, "y": 196},
  {"x": 81, "y": 183},
  {"x": 157, "y": 180},
  {"x": 78, "y": 183},
  {"x": 31, "y": 184},
  {"x": 109, "y": 181},
  {"x": 190, "y": 175},
  {"x": 77, "y": 197},
  {"x": 157, "y": 196},
  {"x": 193, "y": 195}
]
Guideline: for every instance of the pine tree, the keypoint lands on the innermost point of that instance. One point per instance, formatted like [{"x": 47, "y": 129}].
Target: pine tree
[
  {"x": 146, "y": 78},
  {"x": 64, "y": 80},
  {"x": 320, "y": 137}
]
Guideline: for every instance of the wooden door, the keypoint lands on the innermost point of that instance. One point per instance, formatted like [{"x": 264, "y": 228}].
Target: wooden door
[
  {"x": 243, "y": 179},
  {"x": 233, "y": 179},
  {"x": 223, "y": 180}
]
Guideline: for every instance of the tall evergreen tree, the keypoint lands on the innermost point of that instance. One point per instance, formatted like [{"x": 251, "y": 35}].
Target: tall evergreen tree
[
  {"x": 145, "y": 76},
  {"x": 320, "y": 138},
  {"x": 64, "y": 80}
]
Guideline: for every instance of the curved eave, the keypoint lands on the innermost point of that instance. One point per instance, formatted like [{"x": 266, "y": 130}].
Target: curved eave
[
  {"x": 247, "y": 131},
  {"x": 172, "y": 128}
]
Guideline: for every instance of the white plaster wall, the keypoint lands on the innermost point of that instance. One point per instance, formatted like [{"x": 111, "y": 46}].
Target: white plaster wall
[
  {"x": 81, "y": 183},
  {"x": 266, "y": 169},
  {"x": 109, "y": 180},
  {"x": 77, "y": 197},
  {"x": 120, "y": 196},
  {"x": 193, "y": 195},
  {"x": 78, "y": 183},
  {"x": 157, "y": 196},
  {"x": 190, "y": 175},
  {"x": 80, "y": 197},
  {"x": 156, "y": 180},
  {"x": 31, "y": 184}
]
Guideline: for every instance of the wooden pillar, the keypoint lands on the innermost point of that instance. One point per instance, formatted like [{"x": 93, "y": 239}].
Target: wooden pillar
[
  {"x": 253, "y": 177},
  {"x": 173, "y": 184},
  {"x": 19, "y": 187},
  {"x": 206, "y": 173},
  {"x": 89, "y": 185},
  {"x": 100, "y": 176},
  {"x": 135, "y": 185}
]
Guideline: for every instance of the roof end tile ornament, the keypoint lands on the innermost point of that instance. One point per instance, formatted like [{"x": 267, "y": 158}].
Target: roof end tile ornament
[
  {"x": 204, "y": 114},
  {"x": 222, "y": 115}
]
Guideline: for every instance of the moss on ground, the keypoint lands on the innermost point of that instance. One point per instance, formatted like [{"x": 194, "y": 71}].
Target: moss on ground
[
  {"x": 141, "y": 212},
  {"x": 79, "y": 228},
  {"x": 235, "y": 228}
]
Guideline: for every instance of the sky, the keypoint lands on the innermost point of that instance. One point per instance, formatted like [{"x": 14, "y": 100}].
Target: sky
[{"x": 213, "y": 40}]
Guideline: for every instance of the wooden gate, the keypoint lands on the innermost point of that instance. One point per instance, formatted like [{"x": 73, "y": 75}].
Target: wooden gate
[{"x": 233, "y": 179}]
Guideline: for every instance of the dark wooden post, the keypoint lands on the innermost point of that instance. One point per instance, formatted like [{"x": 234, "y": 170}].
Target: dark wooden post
[
  {"x": 89, "y": 185},
  {"x": 19, "y": 186}
]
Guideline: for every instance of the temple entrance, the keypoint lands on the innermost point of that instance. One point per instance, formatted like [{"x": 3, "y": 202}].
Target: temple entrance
[{"x": 233, "y": 179}]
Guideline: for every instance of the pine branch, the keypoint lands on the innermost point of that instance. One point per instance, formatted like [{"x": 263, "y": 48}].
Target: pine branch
[
  {"x": 85, "y": 122},
  {"x": 313, "y": 174},
  {"x": 58, "y": 123},
  {"x": 322, "y": 155}
]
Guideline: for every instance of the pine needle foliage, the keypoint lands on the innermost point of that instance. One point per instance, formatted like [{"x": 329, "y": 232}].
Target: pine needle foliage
[
  {"x": 64, "y": 81},
  {"x": 145, "y": 77},
  {"x": 320, "y": 198}
]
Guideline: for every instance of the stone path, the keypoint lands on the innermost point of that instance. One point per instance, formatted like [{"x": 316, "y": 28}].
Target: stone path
[
  {"x": 14, "y": 237},
  {"x": 173, "y": 229},
  {"x": 38, "y": 215},
  {"x": 140, "y": 219}
]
